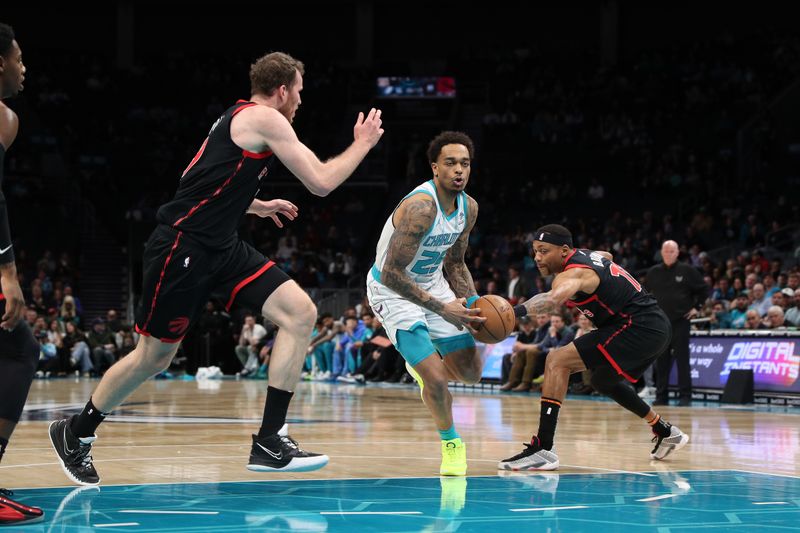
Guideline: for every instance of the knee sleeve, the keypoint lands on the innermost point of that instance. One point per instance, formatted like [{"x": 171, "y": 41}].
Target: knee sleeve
[
  {"x": 19, "y": 355},
  {"x": 606, "y": 381}
]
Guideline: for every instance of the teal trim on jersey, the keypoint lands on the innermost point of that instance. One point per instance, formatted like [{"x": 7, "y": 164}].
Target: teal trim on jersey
[
  {"x": 452, "y": 344},
  {"x": 465, "y": 203},
  {"x": 415, "y": 343},
  {"x": 441, "y": 209},
  {"x": 376, "y": 273},
  {"x": 455, "y": 211}
]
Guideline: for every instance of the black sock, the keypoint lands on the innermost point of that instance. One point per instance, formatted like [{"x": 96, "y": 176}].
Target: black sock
[
  {"x": 548, "y": 418},
  {"x": 3, "y": 444},
  {"x": 275, "y": 411},
  {"x": 661, "y": 427},
  {"x": 85, "y": 424}
]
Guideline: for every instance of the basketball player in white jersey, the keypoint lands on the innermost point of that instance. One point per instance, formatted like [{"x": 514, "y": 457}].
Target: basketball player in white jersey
[{"x": 426, "y": 318}]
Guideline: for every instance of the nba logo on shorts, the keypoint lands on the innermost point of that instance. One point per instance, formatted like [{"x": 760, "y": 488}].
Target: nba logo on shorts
[{"x": 186, "y": 262}]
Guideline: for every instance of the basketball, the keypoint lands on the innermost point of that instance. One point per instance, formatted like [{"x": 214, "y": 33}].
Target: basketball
[{"x": 499, "y": 317}]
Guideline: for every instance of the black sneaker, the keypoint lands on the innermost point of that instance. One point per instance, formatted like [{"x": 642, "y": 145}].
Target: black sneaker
[
  {"x": 533, "y": 457},
  {"x": 281, "y": 453},
  {"x": 13, "y": 513},
  {"x": 74, "y": 454}
]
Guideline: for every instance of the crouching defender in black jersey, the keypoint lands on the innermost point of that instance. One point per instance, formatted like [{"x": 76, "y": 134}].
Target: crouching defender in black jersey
[
  {"x": 195, "y": 253},
  {"x": 631, "y": 333}
]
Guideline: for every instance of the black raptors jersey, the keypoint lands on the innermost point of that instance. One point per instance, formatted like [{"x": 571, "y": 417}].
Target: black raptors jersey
[
  {"x": 217, "y": 187},
  {"x": 617, "y": 296}
]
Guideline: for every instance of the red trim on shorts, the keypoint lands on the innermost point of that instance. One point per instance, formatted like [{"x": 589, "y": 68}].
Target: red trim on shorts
[
  {"x": 2, "y": 297},
  {"x": 216, "y": 193},
  {"x": 614, "y": 364},
  {"x": 620, "y": 330},
  {"x": 256, "y": 155},
  {"x": 140, "y": 331},
  {"x": 241, "y": 285},
  {"x": 160, "y": 279}
]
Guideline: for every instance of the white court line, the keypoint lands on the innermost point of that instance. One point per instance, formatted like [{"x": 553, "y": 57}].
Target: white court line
[
  {"x": 654, "y": 498},
  {"x": 151, "y": 511},
  {"x": 121, "y": 524},
  {"x": 764, "y": 473},
  {"x": 611, "y": 470},
  {"x": 549, "y": 508},
  {"x": 770, "y": 503},
  {"x": 369, "y": 512},
  {"x": 307, "y": 479}
]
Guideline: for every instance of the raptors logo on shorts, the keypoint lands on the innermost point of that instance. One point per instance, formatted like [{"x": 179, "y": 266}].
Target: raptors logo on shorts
[{"x": 179, "y": 325}]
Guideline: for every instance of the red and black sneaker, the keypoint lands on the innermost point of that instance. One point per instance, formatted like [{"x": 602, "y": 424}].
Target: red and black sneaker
[{"x": 13, "y": 513}]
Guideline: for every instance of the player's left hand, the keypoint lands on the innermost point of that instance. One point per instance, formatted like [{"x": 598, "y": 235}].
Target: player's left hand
[
  {"x": 272, "y": 208},
  {"x": 691, "y": 314}
]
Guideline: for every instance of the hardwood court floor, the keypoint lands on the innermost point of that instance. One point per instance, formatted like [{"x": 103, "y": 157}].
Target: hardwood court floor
[{"x": 186, "y": 431}]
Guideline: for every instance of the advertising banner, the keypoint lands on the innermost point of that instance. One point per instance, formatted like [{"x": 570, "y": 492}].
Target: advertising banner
[{"x": 775, "y": 361}]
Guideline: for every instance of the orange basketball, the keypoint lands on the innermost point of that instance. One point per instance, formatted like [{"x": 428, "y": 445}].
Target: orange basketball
[{"x": 499, "y": 316}]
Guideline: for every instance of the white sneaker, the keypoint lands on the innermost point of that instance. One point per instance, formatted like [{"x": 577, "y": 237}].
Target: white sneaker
[
  {"x": 666, "y": 445},
  {"x": 647, "y": 392},
  {"x": 531, "y": 458}
]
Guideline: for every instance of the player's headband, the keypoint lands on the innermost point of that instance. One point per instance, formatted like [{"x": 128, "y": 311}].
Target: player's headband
[{"x": 552, "y": 238}]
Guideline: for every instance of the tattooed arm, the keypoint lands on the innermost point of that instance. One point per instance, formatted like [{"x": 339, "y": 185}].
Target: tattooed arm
[
  {"x": 565, "y": 285},
  {"x": 454, "y": 266},
  {"x": 412, "y": 220}
]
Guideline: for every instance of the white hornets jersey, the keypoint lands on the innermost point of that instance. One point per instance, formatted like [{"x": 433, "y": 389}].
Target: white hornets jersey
[{"x": 426, "y": 268}]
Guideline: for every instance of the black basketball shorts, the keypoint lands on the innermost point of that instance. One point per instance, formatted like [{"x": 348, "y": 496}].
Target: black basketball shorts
[
  {"x": 629, "y": 345},
  {"x": 181, "y": 275}
]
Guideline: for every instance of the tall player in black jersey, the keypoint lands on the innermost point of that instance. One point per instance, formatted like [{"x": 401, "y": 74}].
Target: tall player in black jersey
[
  {"x": 19, "y": 351},
  {"x": 632, "y": 331},
  {"x": 195, "y": 253}
]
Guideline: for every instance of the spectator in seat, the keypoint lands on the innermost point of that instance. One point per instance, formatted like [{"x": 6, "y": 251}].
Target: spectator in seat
[
  {"x": 518, "y": 289},
  {"x": 526, "y": 350},
  {"x": 75, "y": 342},
  {"x": 248, "y": 350},
  {"x": 792, "y": 316},
  {"x": 738, "y": 314},
  {"x": 753, "y": 320},
  {"x": 104, "y": 348},
  {"x": 775, "y": 318},
  {"x": 760, "y": 302}
]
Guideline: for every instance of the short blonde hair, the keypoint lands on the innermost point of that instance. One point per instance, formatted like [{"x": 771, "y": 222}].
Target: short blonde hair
[{"x": 271, "y": 71}]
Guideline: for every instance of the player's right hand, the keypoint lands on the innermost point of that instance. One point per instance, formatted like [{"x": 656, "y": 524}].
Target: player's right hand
[
  {"x": 458, "y": 314},
  {"x": 15, "y": 303},
  {"x": 368, "y": 129}
]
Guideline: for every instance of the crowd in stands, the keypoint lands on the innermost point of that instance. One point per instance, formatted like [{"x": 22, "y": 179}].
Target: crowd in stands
[
  {"x": 54, "y": 312},
  {"x": 626, "y": 157}
]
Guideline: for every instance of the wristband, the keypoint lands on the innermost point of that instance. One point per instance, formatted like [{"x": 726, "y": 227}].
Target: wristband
[
  {"x": 472, "y": 299},
  {"x": 520, "y": 311}
]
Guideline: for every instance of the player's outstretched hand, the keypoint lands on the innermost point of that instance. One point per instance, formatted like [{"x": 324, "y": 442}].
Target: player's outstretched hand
[
  {"x": 368, "y": 129},
  {"x": 273, "y": 208},
  {"x": 458, "y": 314}
]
